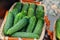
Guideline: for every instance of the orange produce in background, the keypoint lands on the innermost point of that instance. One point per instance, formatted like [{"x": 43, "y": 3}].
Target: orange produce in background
[{"x": 27, "y": 0}]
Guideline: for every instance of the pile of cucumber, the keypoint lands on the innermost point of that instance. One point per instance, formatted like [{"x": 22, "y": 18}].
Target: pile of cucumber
[{"x": 25, "y": 21}]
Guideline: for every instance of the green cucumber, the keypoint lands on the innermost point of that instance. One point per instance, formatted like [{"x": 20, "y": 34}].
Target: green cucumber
[
  {"x": 39, "y": 26},
  {"x": 9, "y": 23},
  {"x": 22, "y": 23},
  {"x": 18, "y": 6},
  {"x": 31, "y": 10},
  {"x": 31, "y": 24},
  {"x": 23, "y": 13},
  {"x": 39, "y": 12},
  {"x": 19, "y": 16},
  {"x": 16, "y": 9},
  {"x": 25, "y": 35},
  {"x": 25, "y": 7}
]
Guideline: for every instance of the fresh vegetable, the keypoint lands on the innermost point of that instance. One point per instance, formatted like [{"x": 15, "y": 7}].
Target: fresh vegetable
[
  {"x": 22, "y": 23},
  {"x": 31, "y": 24},
  {"x": 25, "y": 35},
  {"x": 20, "y": 15},
  {"x": 23, "y": 30},
  {"x": 39, "y": 11},
  {"x": 18, "y": 6},
  {"x": 25, "y": 7},
  {"x": 58, "y": 28},
  {"x": 16, "y": 9},
  {"x": 31, "y": 10},
  {"x": 9, "y": 23},
  {"x": 39, "y": 26}
]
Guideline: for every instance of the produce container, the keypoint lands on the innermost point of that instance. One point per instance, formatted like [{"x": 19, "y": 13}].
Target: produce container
[{"x": 3, "y": 37}]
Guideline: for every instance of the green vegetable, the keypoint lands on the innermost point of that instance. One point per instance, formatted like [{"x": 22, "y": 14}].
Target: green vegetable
[
  {"x": 25, "y": 7},
  {"x": 16, "y": 9},
  {"x": 23, "y": 30},
  {"x": 31, "y": 10},
  {"x": 39, "y": 12},
  {"x": 39, "y": 26},
  {"x": 25, "y": 35},
  {"x": 22, "y": 23},
  {"x": 58, "y": 28},
  {"x": 18, "y": 5},
  {"x": 31, "y": 24},
  {"x": 20, "y": 15},
  {"x": 9, "y": 23}
]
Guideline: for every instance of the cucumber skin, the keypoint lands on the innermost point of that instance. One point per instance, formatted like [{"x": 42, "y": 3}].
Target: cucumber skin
[
  {"x": 17, "y": 8},
  {"x": 25, "y": 7},
  {"x": 21, "y": 14},
  {"x": 22, "y": 23},
  {"x": 9, "y": 23},
  {"x": 39, "y": 12},
  {"x": 39, "y": 26},
  {"x": 31, "y": 24},
  {"x": 31, "y": 10},
  {"x": 25, "y": 35}
]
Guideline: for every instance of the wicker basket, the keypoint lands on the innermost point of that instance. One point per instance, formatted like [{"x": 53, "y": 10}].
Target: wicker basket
[{"x": 3, "y": 37}]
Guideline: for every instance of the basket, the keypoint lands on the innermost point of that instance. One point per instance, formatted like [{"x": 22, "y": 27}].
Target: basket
[{"x": 3, "y": 37}]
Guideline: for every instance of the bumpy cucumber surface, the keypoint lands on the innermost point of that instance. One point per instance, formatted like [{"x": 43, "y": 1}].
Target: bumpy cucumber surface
[
  {"x": 39, "y": 12},
  {"x": 39, "y": 26},
  {"x": 31, "y": 10},
  {"x": 31, "y": 24},
  {"x": 22, "y": 23},
  {"x": 25, "y": 35},
  {"x": 17, "y": 8},
  {"x": 23, "y": 13},
  {"x": 9, "y": 22}
]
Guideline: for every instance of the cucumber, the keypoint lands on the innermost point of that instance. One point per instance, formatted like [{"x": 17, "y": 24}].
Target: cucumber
[
  {"x": 58, "y": 28},
  {"x": 31, "y": 24},
  {"x": 25, "y": 35},
  {"x": 9, "y": 23},
  {"x": 23, "y": 13},
  {"x": 19, "y": 16},
  {"x": 39, "y": 12},
  {"x": 25, "y": 7},
  {"x": 18, "y": 6},
  {"x": 31, "y": 10},
  {"x": 23, "y": 30},
  {"x": 22, "y": 23},
  {"x": 39, "y": 26},
  {"x": 16, "y": 9}
]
